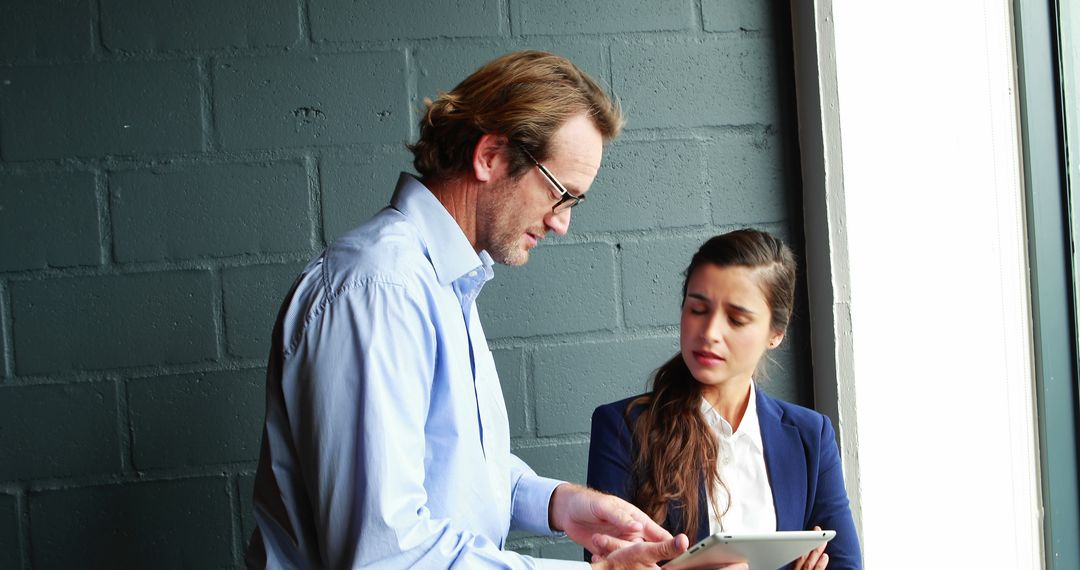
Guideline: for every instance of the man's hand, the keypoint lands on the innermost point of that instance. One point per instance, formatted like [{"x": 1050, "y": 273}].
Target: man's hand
[
  {"x": 636, "y": 555},
  {"x": 583, "y": 513},
  {"x": 642, "y": 555}
]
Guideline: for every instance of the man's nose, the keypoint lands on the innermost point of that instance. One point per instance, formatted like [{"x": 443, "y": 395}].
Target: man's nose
[{"x": 559, "y": 222}]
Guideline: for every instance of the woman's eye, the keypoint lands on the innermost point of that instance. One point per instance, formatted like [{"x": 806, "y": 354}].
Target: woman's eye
[
  {"x": 696, "y": 310},
  {"x": 737, "y": 323}
]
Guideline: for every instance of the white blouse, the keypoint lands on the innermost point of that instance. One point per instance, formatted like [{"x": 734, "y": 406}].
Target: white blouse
[{"x": 741, "y": 465}]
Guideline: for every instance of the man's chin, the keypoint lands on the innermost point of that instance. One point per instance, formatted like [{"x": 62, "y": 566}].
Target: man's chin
[
  {"x": 512, "y": 258},
  {"x": 518, "y": 259}
]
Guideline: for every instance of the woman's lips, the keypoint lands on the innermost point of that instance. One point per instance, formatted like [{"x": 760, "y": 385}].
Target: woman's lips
[{"x": 706, "y": 358}]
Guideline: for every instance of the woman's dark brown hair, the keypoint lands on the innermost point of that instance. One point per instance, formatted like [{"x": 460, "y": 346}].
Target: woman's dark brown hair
[{"x": 676, "y": 447}]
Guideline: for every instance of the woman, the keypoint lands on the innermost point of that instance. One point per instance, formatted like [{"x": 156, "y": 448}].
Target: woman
[{"x": 706, "y": 451}]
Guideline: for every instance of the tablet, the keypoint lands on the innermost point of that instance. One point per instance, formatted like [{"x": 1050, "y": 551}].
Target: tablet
[{"x": 761, "y": 550}]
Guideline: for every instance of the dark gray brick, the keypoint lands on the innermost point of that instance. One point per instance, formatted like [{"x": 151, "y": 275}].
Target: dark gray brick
[
  {"x": 783, "y": 376},
  {"x": 718, "y": 82},
  {"x": 652, "y": 279},
  {"x": 131, "y": 25},
  {"x": 313, "y": 100},
  {"x": 565, "y": 549},
  {"x": 562, "y": 289},
  {"x": 646, "y": 186},
  {"x": 172, "y": 524},
  {"x": 748, "y": 179},
  {"x": 196, "y": 419},
  {"x": 734, "y": 15},
  {"x": 10, "y": 544},
  {"x": 246, "y": 484},
  {"x": 44, "y": 29},
  {"x": 347, "y": 20},
  {"x": 510, "y": 363},
  {"x": 253, "y": 296},
  {"x": 601, "y": 16},
  {"x": 113, "y": 321},
  {"x": 58, "y": 431},
  {"x": 355, "y": 188},
  {"x": 121, "y": 108},
  {"x": 212, "y": 211},
  {"x": 572, "y": 380},
  {"x": 440, "y": 68},
  {"x": 53, "y": 217},
  {"x": 524, "y": 549},
  {"x": 566, "y": 461}
]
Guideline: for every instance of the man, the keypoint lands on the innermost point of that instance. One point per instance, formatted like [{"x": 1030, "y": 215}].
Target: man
[{"x": 386, "y": 441}]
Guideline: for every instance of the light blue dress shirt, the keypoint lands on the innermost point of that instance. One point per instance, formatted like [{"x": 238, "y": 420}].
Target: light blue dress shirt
[{"x": 386, "y": 442}]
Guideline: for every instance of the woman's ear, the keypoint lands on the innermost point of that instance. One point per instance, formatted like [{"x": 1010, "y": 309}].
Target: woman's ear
[
  {"x": 488, "y": 156},
  {"x": 775, "y": 339}
]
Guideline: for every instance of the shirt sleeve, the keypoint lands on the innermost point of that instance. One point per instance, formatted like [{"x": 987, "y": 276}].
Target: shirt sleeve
[
  {"x": 831, "y": 509},
  {"x": 531, "y": 498},
  {"x": 367, "y": 364}
]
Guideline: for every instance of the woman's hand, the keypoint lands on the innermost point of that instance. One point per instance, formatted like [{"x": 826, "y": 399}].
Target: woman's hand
[{"x": 816, "y": 559}]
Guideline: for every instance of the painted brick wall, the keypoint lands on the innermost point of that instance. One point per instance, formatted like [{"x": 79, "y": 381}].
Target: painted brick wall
[{"x": 167, "y": 168}]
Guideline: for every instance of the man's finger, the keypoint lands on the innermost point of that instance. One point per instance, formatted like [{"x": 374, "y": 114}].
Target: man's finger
[
  {"x": 604, "y": 544},
  {"x": 668, "y": 549},
  {"x": 652, "y": 531}
]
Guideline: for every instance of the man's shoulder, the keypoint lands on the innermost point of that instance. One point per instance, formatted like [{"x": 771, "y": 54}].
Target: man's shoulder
[{"x": 386, "y": 248}]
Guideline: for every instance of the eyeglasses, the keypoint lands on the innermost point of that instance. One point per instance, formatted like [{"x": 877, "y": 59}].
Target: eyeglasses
[{"x": 566, "y": 199}]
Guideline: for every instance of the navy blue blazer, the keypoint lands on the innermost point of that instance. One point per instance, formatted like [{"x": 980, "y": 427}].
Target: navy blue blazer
[{"x": 801, "y": 458}]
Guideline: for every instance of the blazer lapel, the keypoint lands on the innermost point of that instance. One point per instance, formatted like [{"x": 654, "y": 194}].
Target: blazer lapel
[{"x": 785, "y": 462}]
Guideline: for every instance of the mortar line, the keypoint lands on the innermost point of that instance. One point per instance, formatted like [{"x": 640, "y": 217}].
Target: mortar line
[
  {"x": 97, "y": 36},
  {"x": 412, "y": 92},
  {"x": 620, "y": 316},
  {"x": 699, "y": 16},
  {"x": 7, "y": 332},
  {"x": 124, "y": 428},
  {"x": 217, "y": 302},
  {"x": 305, "y": 23},
  {"x": 508, "y": 10},
  {"x": 102, "y": 195},
  {"x": 207, "y": 118},
  {"x": 236, "y": 519},
  {"x": 313, "y": 171},
  {"x": 22, "y": 501}
]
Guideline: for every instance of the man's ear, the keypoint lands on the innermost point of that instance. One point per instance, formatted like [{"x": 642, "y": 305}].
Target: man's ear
[{"x": 488, "y": 156}]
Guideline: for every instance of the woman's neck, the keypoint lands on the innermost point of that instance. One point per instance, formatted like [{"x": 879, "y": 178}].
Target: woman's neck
[{"x": 729, "y": 400}]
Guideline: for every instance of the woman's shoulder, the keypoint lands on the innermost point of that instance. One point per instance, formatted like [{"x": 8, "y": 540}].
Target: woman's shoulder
[
  {"x": 802, "y": 417},
  {"x": 619, "y": 408}
]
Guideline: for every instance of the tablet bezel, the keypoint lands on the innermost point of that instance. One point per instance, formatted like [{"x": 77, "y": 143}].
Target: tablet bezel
[{"x": 762, "y": 550}]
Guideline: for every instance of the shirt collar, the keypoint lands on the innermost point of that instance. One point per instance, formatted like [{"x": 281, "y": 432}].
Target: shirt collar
[
  {"x": 747, "y": 428},
  {"x": 452, "y": 256}
]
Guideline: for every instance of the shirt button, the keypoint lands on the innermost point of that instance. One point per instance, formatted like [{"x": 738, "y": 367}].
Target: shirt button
[{"x": 472, "y": 274}]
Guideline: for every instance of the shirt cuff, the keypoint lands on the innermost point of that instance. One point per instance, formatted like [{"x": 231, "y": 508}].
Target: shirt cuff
[{"x": 532, "y": 498}]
